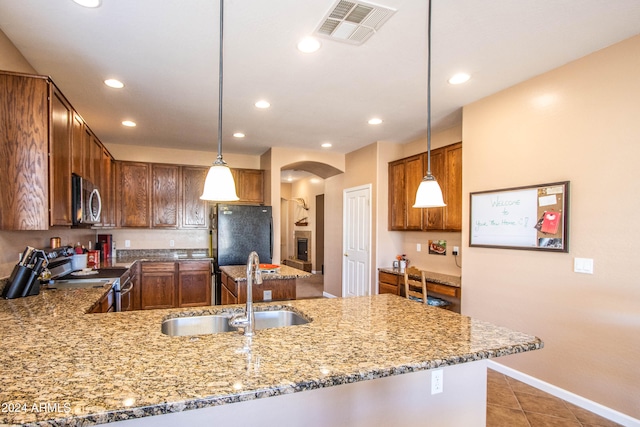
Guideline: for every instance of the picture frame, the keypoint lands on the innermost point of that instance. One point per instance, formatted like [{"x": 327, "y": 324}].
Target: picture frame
[{"x": 533, "y": 217}]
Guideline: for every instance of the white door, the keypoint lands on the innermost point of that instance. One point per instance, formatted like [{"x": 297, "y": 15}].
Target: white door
[{"x": 356, "y": 241}]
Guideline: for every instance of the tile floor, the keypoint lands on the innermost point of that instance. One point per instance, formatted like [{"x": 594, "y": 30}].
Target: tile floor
[{"x": 510, "y": 403}]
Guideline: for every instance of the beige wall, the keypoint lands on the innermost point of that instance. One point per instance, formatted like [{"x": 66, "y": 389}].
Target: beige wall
[
  {"x": 577, "y": 123},
  {"x": 308, "y": 190},
  {"x": 273, "y": 161},
  {"x": 333, "y": 234},
  {"x": 11, "y": 59}
]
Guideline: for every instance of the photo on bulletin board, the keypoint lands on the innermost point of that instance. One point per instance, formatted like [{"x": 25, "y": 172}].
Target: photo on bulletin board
[{"x": 533, "y": 217}]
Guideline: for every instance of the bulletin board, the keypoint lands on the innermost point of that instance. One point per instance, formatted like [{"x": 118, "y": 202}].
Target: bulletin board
[{"x": 534, "y": 217}]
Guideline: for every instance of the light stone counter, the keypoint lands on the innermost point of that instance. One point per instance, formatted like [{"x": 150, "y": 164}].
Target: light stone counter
[
  {"x": 239, "y": 273},
  {"x": 60, "y": 366}
]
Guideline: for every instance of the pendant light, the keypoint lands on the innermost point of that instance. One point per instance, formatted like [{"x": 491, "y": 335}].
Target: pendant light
[
  {"x": 429, "y": 194},
  {"x": 219, "y": 185}
]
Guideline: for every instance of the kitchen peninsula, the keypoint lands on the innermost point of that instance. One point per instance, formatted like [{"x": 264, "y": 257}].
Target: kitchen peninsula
[
  {"x": 278, "y": 285},
  {"x": 98, "y": 368}
]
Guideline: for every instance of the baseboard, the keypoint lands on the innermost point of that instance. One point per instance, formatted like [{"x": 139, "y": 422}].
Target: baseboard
[
  {"x": 328, "y": 295},
  {"x": 589, "y": 405}
]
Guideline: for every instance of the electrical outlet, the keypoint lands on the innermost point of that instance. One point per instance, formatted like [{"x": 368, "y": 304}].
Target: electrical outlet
[
  {"x": 437, "y": 381},
  {"x": 127, "y": 243},
  {"x": 172, "y": 243},
  {"x": 418, "y": 247},
  {"x": 456, "y": 250},
  {"x": 266, "y": 296}
]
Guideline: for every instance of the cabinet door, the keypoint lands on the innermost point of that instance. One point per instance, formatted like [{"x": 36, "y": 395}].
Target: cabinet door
[
  {"x": 158, "y": 285},
  {"x": 24, "y": 139},
  {"x": 194, "y": 210},
  {"x": 194, "y": 283},
  {"x": 453, "y": 195},
  {"x": 396, "y": 195},
  {"x": 106, "y": 190},
  {"x": 133, "y": 193},
  {"x": 434, "y": 217},
  {"x": 77, "y": 145},
  {"x": 164, "y": 199},
  {"x": 414, "y": 172},
  {"x": 250, "y": 185},
  {"x": 60, "y": 161}
]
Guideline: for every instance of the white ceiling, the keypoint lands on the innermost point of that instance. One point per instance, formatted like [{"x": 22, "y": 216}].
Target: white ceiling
[{"x": 166, "y": 52}]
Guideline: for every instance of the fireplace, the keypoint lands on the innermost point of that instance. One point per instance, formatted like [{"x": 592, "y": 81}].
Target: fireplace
[{"x": 302, "y": 248}]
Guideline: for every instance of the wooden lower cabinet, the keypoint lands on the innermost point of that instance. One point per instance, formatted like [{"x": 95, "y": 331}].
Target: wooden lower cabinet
[
  {"x": 130, "y": 289},
  {"x": 388, "y": 283},
  {"x": 105, "y": 305},
  {"x": 158, "y": 285},
  {"x": 228, "y": 296},
  {"x": 175, "y": 284},
  {"x": 194, "y": 283},
  {"x": 235, "y": 292}
]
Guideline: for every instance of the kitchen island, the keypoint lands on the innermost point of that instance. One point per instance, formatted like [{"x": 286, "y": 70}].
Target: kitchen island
[
  {"x": 351, "y": 365},
  {"x": 277, "y": 285}
]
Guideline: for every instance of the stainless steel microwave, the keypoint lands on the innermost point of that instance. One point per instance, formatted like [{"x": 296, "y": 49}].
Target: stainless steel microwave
[{"x": 86, "y": 202}]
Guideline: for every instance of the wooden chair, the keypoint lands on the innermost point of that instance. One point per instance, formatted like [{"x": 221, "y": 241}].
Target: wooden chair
[{"x": 422, "y": 283}]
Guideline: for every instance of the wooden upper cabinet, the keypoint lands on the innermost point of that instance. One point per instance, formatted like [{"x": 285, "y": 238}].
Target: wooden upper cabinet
[
  {"x": 249, "y": 185},
  {"x": 434, "y": 217},
  {"x": 453, "y": 191},
  {"x": 397, "y": 203},
  {"x": 414, "y": 171},
  {"x": 194, "y": 210},
  {"x": 60, "y": 161},
  {"x": 165, "y": 195},
  {"x": 24, "y": 139},
  {"x": 404, "y": 178},
  {"x": 107, "y": 190},
  {"x": 77, "y": 145},
  {"x": 134, "y": 191}
]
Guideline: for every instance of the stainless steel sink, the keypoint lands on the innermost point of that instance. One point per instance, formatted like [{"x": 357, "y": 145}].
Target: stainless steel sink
[{"x": 218, "y": 323}]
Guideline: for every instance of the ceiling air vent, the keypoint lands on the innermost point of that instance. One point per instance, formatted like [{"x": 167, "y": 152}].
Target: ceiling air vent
[{"x": 353, "y": 22}]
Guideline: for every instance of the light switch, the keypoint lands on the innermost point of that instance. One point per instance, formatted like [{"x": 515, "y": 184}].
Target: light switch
[{"x": 583, "y": 265}]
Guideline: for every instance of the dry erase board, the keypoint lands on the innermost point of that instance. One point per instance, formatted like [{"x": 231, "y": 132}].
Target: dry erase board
[{"x": 532, "y": 217}]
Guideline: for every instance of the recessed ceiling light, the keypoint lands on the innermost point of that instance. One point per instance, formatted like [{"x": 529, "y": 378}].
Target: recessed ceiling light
[
  {"x": 375, "y": 121},
  {"x": 262, "y": 104},
  {"x": 459, "y": 78},
  {"x": 129, "y": 123},
  {"x": 88, "y": 3},
  {"x": 327, "y": 145},
  {"x": 308, "y": 45},
  {"x": 116, "y": 84},
  {"x": 238, "y": 135}
]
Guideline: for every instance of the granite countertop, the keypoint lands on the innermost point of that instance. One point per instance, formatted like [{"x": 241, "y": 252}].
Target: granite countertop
[
  {"x": 239, "y": 273},
  {"x": 443, "y": 279},
  {"x": 95, "y": 368}
]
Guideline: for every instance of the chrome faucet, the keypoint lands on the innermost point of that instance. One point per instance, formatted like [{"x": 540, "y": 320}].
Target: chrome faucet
[{"x": 247, "y": 322}]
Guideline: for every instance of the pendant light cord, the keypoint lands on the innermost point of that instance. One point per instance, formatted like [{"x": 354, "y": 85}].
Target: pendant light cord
[
  {"x": 220, "y": 78},
  {"x": 429, "y": 91}
]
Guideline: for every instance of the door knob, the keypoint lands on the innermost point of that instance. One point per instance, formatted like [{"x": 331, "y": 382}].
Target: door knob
[{"x": 346, "y": 254}]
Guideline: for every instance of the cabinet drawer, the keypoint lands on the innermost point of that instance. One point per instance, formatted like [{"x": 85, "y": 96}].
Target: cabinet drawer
[
  {"x": 391, "y": 279},
  {"x": 194, "y": 266},
  {"x": 385, "y": 288},
  {"x": 443, "y": 289},
  {"x": 151, "y": 267}
]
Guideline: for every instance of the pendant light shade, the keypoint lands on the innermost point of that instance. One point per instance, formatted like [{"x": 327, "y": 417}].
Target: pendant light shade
[
  {"x": 219, "y": 185},
  {"x": 429, "y": 194}
]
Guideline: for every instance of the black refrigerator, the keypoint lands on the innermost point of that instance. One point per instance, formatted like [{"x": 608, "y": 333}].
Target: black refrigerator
[{"x": 236, "y": 231}]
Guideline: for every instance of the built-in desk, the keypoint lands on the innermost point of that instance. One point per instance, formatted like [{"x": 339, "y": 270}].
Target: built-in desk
[{"x": 444, "y": 286}]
